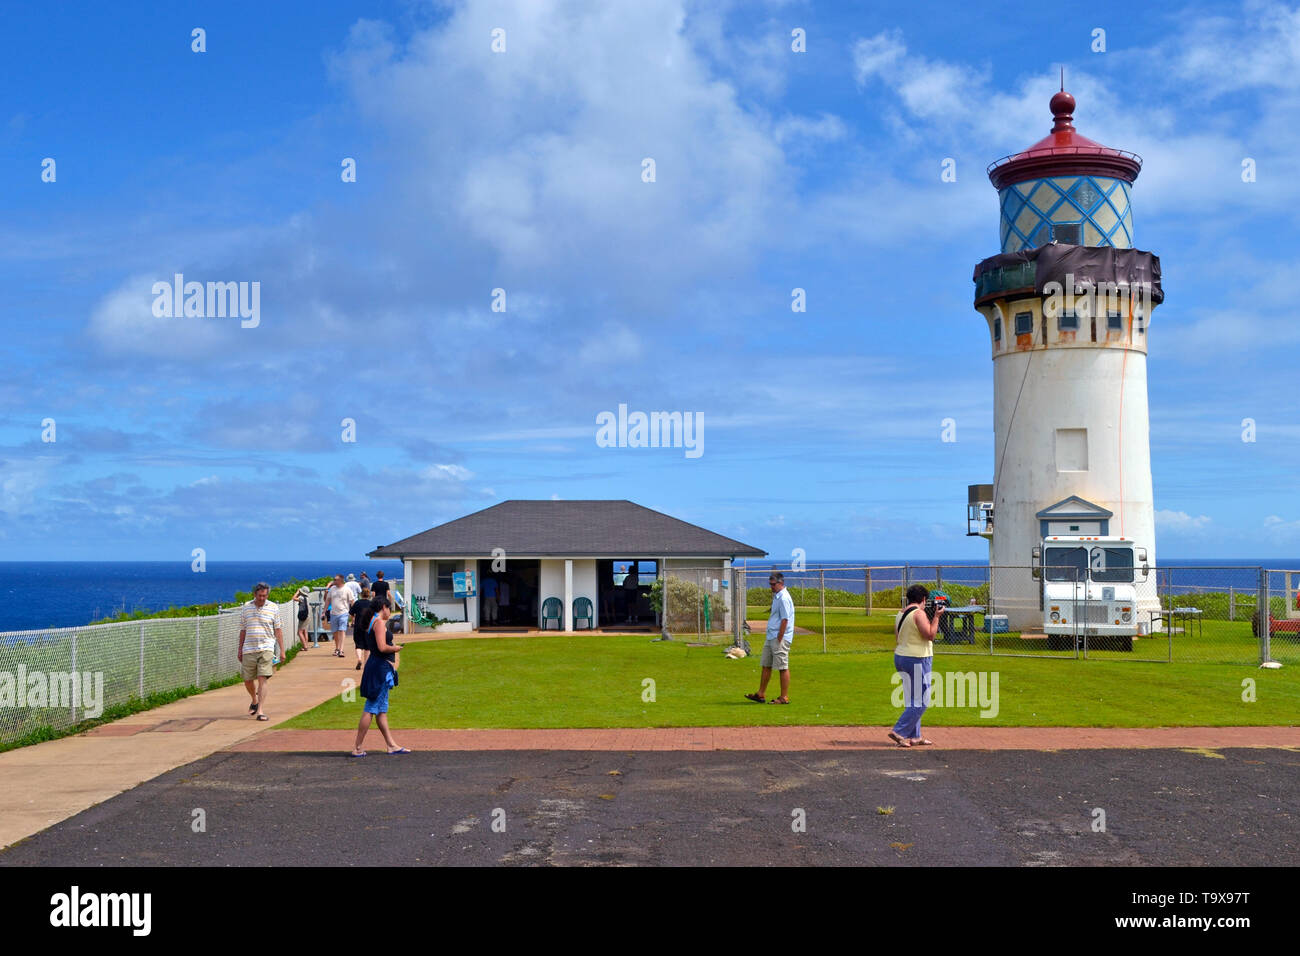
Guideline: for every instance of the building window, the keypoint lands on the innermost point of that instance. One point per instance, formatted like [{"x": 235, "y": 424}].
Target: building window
[
  {"x": 1024, "y": 323},
  {"x": 1140, "y": 322},
  {"x": 1069, "y": 321},
  {"x": 1114, "y": 321},
  {"x": 442, "y": 582},
  {"x": 1071, "y": 232},
  {"x": 997, "y": 329}
]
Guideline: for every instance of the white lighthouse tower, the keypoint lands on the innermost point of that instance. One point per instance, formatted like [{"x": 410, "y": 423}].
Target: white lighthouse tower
[{"x": 1068, "y": 305}]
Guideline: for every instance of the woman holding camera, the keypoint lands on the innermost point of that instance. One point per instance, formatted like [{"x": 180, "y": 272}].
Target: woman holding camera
[{"x": 914, "y": 630}]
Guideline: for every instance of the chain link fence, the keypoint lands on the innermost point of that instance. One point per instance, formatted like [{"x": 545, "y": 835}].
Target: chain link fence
[
  {"x": 1205, "y": 614},
  {"x": 58, "y": 677}
]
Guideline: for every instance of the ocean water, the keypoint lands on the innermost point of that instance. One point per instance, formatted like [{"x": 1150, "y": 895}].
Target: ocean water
[{"x": 41, "y": 594}]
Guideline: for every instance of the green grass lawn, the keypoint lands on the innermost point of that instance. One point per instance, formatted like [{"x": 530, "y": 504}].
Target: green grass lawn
[{"x": 597, "y": 681}]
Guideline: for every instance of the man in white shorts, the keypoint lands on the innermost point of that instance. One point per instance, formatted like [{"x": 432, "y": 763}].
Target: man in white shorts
[
  {"x": 340, "y": 601},
  {"x": 776, "y": 650},
  {"x": 259, "y": 635}
]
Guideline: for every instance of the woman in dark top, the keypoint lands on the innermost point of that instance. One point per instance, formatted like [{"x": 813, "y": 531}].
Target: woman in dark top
[
  {"x": 304, "y": 612},
  {"x": 377, "y": 679}
]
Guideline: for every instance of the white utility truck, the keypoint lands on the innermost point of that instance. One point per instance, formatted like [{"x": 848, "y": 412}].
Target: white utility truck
[{"x": 1088, "y": 589}]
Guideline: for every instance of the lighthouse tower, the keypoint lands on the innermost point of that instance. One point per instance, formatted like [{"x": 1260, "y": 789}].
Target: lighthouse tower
[{"x": 1068, "y": 304}]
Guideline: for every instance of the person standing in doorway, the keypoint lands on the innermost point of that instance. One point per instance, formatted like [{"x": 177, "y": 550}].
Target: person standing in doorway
[
  {"x": 259, "y": 636},
  {"x": 503, "y": 600},
  {"x": 631, "y": 588},
  {"x": 914, "y": 631},
  {"x": 776, "y": 649},
  {"x": 490, "y": 599}
]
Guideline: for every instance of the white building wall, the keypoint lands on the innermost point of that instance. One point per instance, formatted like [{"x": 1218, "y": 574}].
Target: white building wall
[
  {"x": 584, "y": 585},
  {"x": 1101, "y": 391},
  {"x": 551, "y": 585}
]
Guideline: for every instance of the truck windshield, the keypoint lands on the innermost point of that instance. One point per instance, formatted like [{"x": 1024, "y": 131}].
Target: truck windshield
[
  {"x": 1112, "y": 565},
  {"x": 1066, "y": 564}
]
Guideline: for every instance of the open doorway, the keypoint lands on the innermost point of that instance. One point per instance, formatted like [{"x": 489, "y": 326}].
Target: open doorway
[
  {"x": 623, "y": 586},
  {"x": 508, "y": 599}
]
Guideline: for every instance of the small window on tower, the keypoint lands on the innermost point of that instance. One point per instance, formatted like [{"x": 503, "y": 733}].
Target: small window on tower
[
  {"x": 1139, "y": 322},
  {"x": 1024, "y": 323},
  {"x": 1071, "y": 232},
  {"x": 1114, "y": 321},
  {"x": 1069, "y": 321},
  {"x": 997, "y": 329}
]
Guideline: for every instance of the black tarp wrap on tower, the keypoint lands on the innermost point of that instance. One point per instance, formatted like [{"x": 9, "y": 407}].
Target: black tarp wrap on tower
[{"x": 1052, "y": 263}]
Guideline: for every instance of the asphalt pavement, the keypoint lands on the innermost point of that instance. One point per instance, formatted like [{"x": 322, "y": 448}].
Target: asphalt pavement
[{"x": 1153, "y": 807}]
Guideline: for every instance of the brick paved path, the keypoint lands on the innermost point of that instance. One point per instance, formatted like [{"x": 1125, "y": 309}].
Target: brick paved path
[{"x": 786, "y": 738}]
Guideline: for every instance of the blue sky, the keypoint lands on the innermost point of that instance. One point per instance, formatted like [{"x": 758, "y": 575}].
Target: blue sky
[{"x": 522, "y": 171}]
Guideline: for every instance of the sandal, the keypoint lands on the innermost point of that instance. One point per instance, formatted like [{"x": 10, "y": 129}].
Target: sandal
[
  {"x": 399, "y": 750},
  {"x": 921, "y": 742},
  {"x": 756, "y": 698},
  {"x": 899, "y": 740},
  {"x": 263, "y": 717},
  {"x": 357, "y": 753},
  {"x": 252, "y": 708},
  {"x": 779, "y": 700}
]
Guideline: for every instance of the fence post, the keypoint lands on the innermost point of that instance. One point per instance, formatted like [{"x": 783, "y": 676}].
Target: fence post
[
  {"x": 938, "y": 577},
  {"x": 198, "y": 650},
  {"x": 822, "y": 578},
  {"x": 1265, "y": 619},
  {"x": 867, "y": 581},
  {"x": 902, "y": 594},
  {"x": 1232, "y": 603},
  {"x": 75, "y": 677},
  {"x": 142, "y": 660}
]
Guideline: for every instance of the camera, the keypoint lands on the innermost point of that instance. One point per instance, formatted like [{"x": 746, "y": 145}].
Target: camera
[{"x": 931, "y": 607}]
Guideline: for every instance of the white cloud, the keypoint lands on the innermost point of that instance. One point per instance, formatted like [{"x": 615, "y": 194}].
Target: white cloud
[
  {"x": 1280, "y": 530},
  {"x": 613, "y": 342},
  {"x": 1180, "y": 521},
  {"x": 446, "y": 473},
  {"x": 123, "y": 322}
]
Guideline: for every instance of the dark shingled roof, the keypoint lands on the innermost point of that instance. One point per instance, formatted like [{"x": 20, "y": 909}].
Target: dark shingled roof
[{"x": 535, "y": 529}]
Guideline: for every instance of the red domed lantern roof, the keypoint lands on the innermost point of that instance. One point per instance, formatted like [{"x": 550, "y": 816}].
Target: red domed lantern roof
[{"x": 1063, "y": 152}]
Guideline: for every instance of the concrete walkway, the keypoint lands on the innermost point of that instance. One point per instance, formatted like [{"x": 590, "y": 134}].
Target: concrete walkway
[
  {"x": 49, "y": 782},
  {"x": 788, "y": 739}
]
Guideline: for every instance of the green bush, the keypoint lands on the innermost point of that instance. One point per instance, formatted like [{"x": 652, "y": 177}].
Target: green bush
[
  {"x": 686, "y": 605},
  {"x": 278, "y": 594}
]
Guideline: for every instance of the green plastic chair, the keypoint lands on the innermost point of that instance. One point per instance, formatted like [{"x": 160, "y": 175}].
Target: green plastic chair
[
  {"x": 417, "y": 617},
  {"x": 582, "y": 612},
  {"x": 553, "y": 610}
]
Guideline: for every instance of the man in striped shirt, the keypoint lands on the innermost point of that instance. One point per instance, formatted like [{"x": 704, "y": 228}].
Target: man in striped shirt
[{"x": 259, "y": 635}]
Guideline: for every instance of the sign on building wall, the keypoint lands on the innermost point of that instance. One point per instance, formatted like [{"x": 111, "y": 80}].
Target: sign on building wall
[{"x": 463, "y": 584}]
